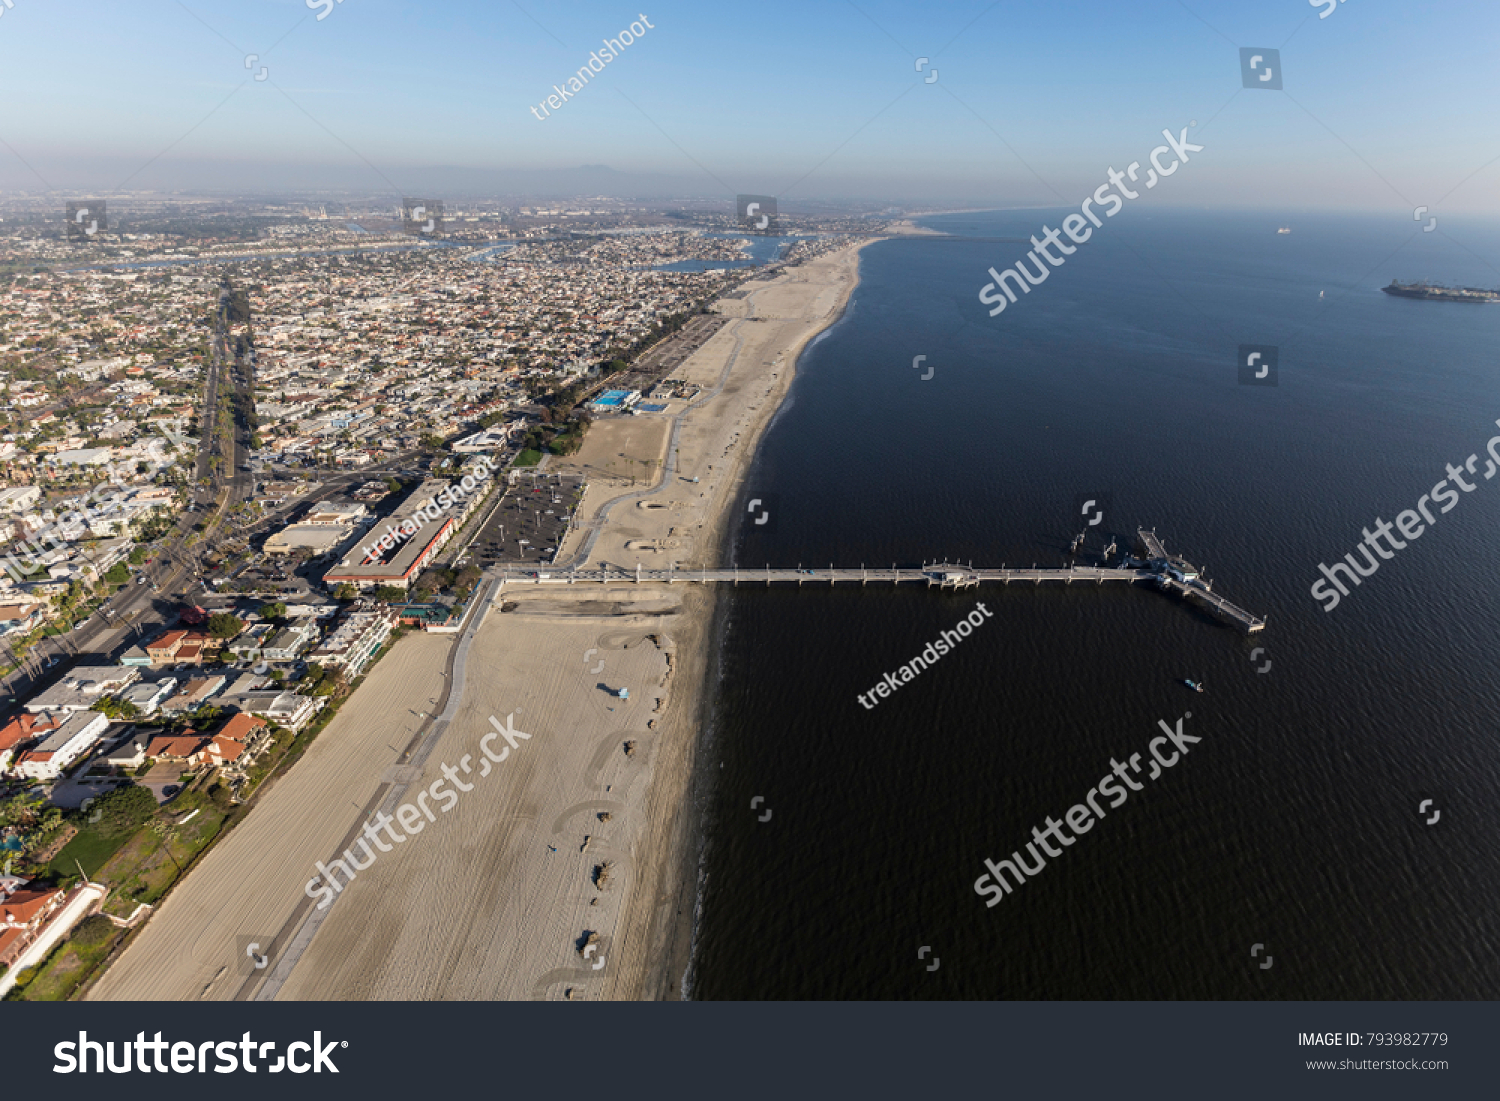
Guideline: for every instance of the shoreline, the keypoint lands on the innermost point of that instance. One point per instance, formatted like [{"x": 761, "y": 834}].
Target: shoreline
[
  {"x": 492, "y": 907},
  {"x": 682, "y": 856}
]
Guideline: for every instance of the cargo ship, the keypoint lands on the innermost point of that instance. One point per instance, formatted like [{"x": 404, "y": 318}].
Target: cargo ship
[{"x": 1440, "y": 293}]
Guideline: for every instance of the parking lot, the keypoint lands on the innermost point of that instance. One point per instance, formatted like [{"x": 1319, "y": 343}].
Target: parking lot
[{"x": 530, "y": 523}]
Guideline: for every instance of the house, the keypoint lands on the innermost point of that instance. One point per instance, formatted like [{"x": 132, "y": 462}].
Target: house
[
  {"x": 127, "y": 752},
  {"x": 24, "y": 913},
  {"x": 193, "y": 695},
  {"x": 183, "y": 747},
  {"x": 24, "y": 729},
  {"x": 286, "y": 709},
  {"x": 289, "y": 642},
  {"x": 77, "y": 734},
  {"x": 243, "y": 727},
  {"x": 247, "y": 647},
  {"x": 148, "y": 696},
  {"x": 221, "y": 752},
  {"x": 21, "y": 618}
]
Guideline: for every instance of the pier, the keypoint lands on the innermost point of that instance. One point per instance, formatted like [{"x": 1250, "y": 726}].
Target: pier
[{"x": 1168, "y": 572}]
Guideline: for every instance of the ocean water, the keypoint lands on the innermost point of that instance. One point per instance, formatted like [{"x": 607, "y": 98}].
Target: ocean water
[{"x": 1294, "y": 823}]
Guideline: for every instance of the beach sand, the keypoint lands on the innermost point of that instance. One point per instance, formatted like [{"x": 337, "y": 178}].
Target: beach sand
[{"x": 495, "y": 897}]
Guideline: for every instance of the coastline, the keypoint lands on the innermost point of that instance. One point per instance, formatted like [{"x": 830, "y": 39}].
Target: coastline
[
  {"x": 670, "y": 924},
  {"x": 494, "y": 905},
  {"x": 500, "y": 902}
]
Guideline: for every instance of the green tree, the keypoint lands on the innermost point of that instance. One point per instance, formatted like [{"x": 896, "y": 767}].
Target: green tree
[
  {"x": 273, "y": 611},
  {"x": 93, "y": 931},
  {"x": 345, "y": 591},
  {"x": 390, "y": 594},
  {"x": 117, "y": 574},
  {"x": 223, "y": 626},
  {"x": 122, "y": 811},
  {"x": 118, "y": 709}
]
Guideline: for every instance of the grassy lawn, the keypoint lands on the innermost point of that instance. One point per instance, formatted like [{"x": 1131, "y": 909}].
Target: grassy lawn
[
  {"x": 529, "y": 457},
  {"x": 88, "y": 848},
  {"x": 145, "y": 866}
]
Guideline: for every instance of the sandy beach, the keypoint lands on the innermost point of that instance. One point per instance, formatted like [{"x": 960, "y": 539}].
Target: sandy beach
[{"x": 579, "y": 834}]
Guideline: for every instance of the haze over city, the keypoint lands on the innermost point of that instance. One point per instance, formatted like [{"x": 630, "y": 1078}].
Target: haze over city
[{"x": 1031, "y": 102}]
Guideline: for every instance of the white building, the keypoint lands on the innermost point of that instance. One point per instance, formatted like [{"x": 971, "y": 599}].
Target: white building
[
  {"x": 148, "y": 696},
  {"x": 19, "y": 498},
  {"x": 75, "y": 737}
]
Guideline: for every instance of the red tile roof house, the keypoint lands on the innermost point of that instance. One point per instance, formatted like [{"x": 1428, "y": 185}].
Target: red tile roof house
[
  {"x": 236, "y": 743},
  {"x": 176, "y": 747},
  {"x": 23, "y": 916},
  {"x": 24, "y": 728}
]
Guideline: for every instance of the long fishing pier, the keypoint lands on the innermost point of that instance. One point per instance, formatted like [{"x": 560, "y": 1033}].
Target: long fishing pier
[{"x": 1168, "y": 572}]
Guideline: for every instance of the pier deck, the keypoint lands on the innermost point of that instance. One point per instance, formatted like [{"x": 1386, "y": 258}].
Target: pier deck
[{"x": 1160, "y": 569}]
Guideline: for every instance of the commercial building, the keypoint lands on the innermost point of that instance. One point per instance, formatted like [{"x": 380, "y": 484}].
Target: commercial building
[
  {"x": 179, "y": 648},
  {"x": 314, "y": 538},
  {"x": 83, "y": 687},
  {"x": 614, "y": 401},
  {"x": 410, "y": 538},
  {"x": 335, "y": 514}
]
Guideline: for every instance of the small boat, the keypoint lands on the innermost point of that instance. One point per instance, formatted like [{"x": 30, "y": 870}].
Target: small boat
[
  {"x": 1284, "y": 229},
  {"x": 1194, "y": 685}
]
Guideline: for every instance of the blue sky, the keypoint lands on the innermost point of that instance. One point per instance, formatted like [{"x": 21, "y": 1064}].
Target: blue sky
[{"x": 1386, "y": 104}]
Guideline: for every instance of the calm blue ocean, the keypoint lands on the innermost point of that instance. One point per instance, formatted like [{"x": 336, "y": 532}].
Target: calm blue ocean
[{"x": 1294, "y": 823}]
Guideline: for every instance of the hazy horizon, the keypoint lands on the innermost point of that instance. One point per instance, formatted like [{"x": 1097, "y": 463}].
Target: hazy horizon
[{"x": 1030, "y": 106}]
